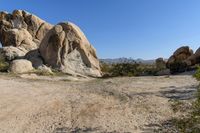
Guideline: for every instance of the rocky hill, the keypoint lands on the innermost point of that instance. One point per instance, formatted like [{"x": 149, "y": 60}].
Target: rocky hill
[{"x": 29, "y": 39}]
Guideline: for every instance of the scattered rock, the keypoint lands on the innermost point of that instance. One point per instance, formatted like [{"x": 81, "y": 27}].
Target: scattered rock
[{"x": 20, "y": 66}]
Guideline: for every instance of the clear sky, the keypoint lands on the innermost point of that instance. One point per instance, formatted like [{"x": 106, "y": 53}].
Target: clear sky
[{"x": 124, "y": 28}]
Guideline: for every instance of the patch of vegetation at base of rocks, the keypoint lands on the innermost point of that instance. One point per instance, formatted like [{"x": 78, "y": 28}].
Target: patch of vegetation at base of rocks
[
  {"x": 4, "y": 66},
  {"x": 130, "y": 69},
  {"x": 47, "y": 73},
  {"x": 178, "y": 67},
  {"x": 197, "y": 74},
  {"x": 42, "y": 73},
  {"x": 191, "y": 122}
]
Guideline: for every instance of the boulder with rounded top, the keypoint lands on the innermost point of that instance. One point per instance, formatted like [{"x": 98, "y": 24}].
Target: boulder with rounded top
[{"x": 65, "y": 47}]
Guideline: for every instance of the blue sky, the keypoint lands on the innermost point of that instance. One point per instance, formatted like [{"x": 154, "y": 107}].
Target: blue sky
[{"x": 124, "y": 28}]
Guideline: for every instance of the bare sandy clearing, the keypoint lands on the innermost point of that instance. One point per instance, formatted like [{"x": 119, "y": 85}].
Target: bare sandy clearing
[{"x": 137, "y": 104}]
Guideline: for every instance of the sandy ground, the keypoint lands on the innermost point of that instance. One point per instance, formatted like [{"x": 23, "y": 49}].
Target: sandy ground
[{"x": 118, "y": 105}]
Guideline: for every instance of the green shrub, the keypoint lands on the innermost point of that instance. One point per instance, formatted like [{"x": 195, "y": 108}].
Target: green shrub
[
  {"x": 124, "y": 69},
  {"x": 197, "y": 74},
  {"x": 3, "y": 65}
]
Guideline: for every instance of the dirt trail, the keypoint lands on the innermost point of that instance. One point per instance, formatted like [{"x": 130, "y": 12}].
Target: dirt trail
[{"x": 137, "y": 104}]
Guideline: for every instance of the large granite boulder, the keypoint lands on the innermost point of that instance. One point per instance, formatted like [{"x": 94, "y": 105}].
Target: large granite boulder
[
  {"x": 177, "y": 62},
  {"x": 22, "y": 29},
  {"x": 65, "y": 47}
]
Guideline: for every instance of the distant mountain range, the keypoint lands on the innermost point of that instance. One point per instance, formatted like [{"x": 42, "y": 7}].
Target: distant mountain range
[{"x": 126, "y": 60}]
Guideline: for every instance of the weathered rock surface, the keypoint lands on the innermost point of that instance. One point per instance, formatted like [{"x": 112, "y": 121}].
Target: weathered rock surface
[
  {"x": 22, "y": 29},
  {"x": 10, "y": 53},
  {"x": 20, "y": 66},
  {"x": 66, "y": 48}
]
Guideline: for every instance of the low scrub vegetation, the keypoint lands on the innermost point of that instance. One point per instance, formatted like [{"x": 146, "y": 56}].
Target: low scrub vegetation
[
  {"x": 190, "y": 123},
  {"x": 42, "y": 73},
  {"x": 130, "y": 69},
  {"x": 197, "y": 74}
]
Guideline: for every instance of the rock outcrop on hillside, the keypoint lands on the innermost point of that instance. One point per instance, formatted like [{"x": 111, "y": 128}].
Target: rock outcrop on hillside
[{"x": 63, "y": 47}]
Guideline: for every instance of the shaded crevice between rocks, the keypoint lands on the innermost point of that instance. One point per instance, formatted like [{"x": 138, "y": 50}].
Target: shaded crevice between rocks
[{"x": 39, "y": 30}]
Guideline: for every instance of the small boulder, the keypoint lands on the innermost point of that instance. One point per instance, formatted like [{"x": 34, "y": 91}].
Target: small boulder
[{"x": 20, "y": 66}]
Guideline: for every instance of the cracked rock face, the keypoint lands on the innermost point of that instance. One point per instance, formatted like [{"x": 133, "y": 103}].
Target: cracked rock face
[
  {"x": 66, "y": 48},
  {"x": 22, "y": 29}
]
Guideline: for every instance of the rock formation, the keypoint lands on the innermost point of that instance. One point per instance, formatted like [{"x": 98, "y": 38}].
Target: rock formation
[
  {"x": 193, "y": 59},
  {"x": 63, "y": 47},
  {"x": 22, "y": 29},
  {"x": 66, "y": 48},
  {"x": 177, "y": 62}
]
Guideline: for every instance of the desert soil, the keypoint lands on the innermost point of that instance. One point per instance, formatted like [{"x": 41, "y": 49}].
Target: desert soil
[{"x": 118, "y": 105}]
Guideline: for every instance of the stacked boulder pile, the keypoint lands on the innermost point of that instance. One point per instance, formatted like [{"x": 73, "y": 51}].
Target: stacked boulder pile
[
  {"x": 183, "y": 59},
  {"x": 26, "y": 39}
]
